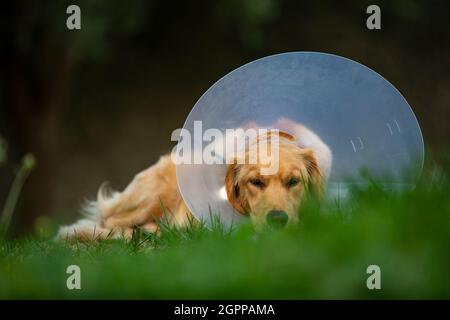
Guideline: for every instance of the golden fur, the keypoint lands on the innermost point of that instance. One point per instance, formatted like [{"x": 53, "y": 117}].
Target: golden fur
[
  {"x": 153, "y": 193},
  {"x": 255, "y": 194}
]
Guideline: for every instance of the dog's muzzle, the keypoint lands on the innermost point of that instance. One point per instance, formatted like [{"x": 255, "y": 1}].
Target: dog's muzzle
[{"x": 277, "y": 218}]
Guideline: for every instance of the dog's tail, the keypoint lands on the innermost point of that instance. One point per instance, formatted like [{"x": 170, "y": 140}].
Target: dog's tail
[
  {"x": 83, "y": 230},
  {"x": 91, "y": 227}
]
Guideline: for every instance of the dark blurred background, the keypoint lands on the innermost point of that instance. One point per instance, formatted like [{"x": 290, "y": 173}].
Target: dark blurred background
[{"x": 99, "y": 104}]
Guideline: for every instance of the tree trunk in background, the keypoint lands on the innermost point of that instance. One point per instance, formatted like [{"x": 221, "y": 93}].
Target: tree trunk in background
[{"x": 39, "y": 91}]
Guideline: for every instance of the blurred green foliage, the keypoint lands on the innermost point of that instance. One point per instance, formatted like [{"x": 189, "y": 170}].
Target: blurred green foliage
[
  {"x": 101, "y": 19},
  {"x": 325, "y": 256},
  {"x": 21, "y": 175},
  {"x": 3, "y": 151}
]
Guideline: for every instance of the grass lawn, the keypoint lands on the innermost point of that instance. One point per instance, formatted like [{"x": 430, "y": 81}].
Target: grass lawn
[{"x": 326, "y": 256}]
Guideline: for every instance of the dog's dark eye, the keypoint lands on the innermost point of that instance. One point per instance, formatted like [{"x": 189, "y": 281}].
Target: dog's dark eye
[
  {"x": 292, "y": 182},
  {"x": 257, "y": 183}
]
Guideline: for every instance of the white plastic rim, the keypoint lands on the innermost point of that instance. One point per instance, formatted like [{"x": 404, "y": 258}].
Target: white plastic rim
[{"x": 364, "y": 119}]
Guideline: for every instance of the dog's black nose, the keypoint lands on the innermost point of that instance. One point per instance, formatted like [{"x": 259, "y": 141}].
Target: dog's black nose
[{"x": 277, "y": 218}]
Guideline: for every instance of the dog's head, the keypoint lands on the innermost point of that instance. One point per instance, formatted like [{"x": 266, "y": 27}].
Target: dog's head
[{"x": 274, "y": 198}]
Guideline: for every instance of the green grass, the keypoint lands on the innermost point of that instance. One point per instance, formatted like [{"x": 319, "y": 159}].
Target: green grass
[{"x": 324, "y": 256}]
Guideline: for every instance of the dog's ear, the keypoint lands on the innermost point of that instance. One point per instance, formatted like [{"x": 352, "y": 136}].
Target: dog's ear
[
  {"x": 232, "y": 187},
  {"x": 316, "y": 182}
]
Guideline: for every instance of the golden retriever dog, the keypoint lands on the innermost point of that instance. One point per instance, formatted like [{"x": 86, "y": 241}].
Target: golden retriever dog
[{"x": 303, "y": 163}]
